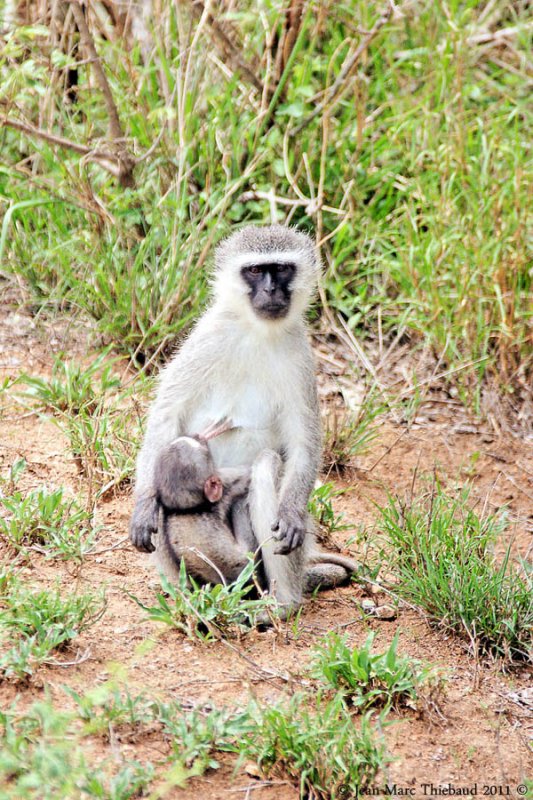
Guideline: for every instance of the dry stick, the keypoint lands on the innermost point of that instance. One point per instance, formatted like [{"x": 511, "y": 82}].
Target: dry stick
[
  {"x": 386, "y": 453},
  {"x": 293, "y": 23},
  {"x": 349, "y": 338},
  {"x": 84, "y": 657},
  {"x": 444, "y": 374},
  {"x": 125, "y": 161},
  {"x": 31, "y": 130},
  {"x": 499, "y": 35},
  {"x": 339, "y": 85}
]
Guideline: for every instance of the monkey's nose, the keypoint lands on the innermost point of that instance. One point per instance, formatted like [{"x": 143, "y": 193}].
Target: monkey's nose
[{"x": 268, "y": 284}]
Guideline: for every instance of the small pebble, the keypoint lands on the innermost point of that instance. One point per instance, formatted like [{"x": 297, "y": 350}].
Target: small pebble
[{"x": 380, "y": 612}]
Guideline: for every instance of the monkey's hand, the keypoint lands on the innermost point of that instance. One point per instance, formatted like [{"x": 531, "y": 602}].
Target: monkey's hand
[
  {"x": 290, "y": 529},
  {"x": 144, "y": 523}
]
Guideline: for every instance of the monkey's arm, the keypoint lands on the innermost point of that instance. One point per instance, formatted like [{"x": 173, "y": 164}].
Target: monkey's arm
[
  {"x": 301, "y": 432},
  {"x": 161, "y": 429},
  {"x": 167, "y": 419}
]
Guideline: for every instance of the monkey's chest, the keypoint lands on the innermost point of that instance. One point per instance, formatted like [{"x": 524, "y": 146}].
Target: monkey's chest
[{"x": 253, "y": 415}]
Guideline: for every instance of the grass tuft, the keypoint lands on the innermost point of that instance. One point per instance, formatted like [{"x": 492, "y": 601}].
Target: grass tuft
[
  {"x": 370, "y": 680},
  {"x": 33, "y": 624},
  {"x": 98, "y": 417},
  {"x": 316, "y": 745},
  {"x": 46, "y": 522},
  {"x": 442, "y": 554}
]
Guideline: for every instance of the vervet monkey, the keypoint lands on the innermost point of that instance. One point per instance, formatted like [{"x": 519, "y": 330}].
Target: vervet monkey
[
  {"x": 197, "y": 524},
  {"x": 249, "y": 359}
]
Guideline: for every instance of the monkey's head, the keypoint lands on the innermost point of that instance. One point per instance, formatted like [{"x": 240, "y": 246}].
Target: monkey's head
[
  {"x": 185, "y": 476},
  {"x": 271, "y": 271}
]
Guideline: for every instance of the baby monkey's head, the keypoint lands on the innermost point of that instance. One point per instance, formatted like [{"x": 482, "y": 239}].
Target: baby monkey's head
[{"x": 185, "y": 476}]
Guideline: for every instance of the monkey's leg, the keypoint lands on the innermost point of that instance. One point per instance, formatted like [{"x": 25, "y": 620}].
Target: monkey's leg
[
  {"x": 204, "y": 543},
  {"x": 284, "y": 573}
]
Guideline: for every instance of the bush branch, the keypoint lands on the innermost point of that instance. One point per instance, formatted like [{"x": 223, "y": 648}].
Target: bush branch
[{"x": 125, "y": 161}]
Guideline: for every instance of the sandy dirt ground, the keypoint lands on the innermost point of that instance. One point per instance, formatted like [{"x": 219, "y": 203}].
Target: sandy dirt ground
[{"x": 481, "y": 734}]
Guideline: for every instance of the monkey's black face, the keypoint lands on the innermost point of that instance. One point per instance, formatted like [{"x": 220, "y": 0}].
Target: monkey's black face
[{"x": 270, "y": 288}]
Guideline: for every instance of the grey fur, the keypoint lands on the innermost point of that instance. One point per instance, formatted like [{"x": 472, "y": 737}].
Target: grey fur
[{"x": 214, "y": 543}]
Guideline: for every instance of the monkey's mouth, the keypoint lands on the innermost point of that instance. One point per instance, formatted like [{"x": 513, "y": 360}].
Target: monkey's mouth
[{"x": 273, "y": 310}]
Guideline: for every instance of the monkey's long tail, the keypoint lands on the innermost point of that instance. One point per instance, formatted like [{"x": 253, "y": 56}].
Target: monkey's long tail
[{"x": 323, "y": 557}]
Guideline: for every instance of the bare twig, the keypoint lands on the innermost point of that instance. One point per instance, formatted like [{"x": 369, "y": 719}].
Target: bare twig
[
  {"x": 386, "y": 453},
  {"x": 126, "y": 162},
  {"x": 82, "y": 149},
  {"x": 499, "y": 36},
  {"x": 83, "y": 657}
]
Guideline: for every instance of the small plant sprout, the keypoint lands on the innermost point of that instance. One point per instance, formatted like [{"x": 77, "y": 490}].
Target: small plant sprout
[
  {"x": 46, "y": 522},
  {"x": 321, "y": 507},
  {"x": 72, "y": 387},
  {"x": 33, "y": 624}
]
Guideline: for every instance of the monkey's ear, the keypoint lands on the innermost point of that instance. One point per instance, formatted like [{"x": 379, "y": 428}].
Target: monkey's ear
[{"x": 213, "y": 489}]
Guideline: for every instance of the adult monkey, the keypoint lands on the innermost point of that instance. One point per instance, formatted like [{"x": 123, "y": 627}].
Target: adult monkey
[{"x": 249, "y": 360}]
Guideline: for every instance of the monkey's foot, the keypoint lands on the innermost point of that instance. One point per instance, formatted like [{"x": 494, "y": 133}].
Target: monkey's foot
[{"x": 325, "y": 576}]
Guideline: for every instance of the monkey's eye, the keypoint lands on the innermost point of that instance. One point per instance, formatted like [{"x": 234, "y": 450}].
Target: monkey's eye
[{"x": 254, "y": 270}]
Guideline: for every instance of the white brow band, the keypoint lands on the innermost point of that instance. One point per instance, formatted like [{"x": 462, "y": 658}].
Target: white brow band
[{"x": 252, "y": 259}]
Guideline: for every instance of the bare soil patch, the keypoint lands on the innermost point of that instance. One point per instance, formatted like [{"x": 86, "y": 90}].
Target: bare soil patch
[{"x": 482, "y": 734}]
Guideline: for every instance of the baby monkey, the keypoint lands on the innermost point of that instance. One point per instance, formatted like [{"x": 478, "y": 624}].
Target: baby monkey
[
  {"x": 187, "y": 481},
  {"x": 197, "y": 524},
  {"x": 203, "y": 524}
]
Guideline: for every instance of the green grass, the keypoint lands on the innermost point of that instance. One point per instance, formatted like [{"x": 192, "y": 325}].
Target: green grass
[
  {"x": 316, "y": 745},
  {"x": 321, "y": 507},
  {"x": 310, "y": 742},
  {"x": 35, "y": 623},
  {"x": 419, "y": 168},
  {"x": 41, "y": 759},
  {"x": 370, "y": 680},
  {"x": 194, "y": 735},
  {"x": 103, "y": 445},
  {"x": 208, "y": 612},
  {"x": 98, "y": 415},
  {"x": 44, "y": 521},
  {"x": 72, "y": 387},
  {"x": 46, "y": 751},
  {"x": 442, "y": 554}
]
